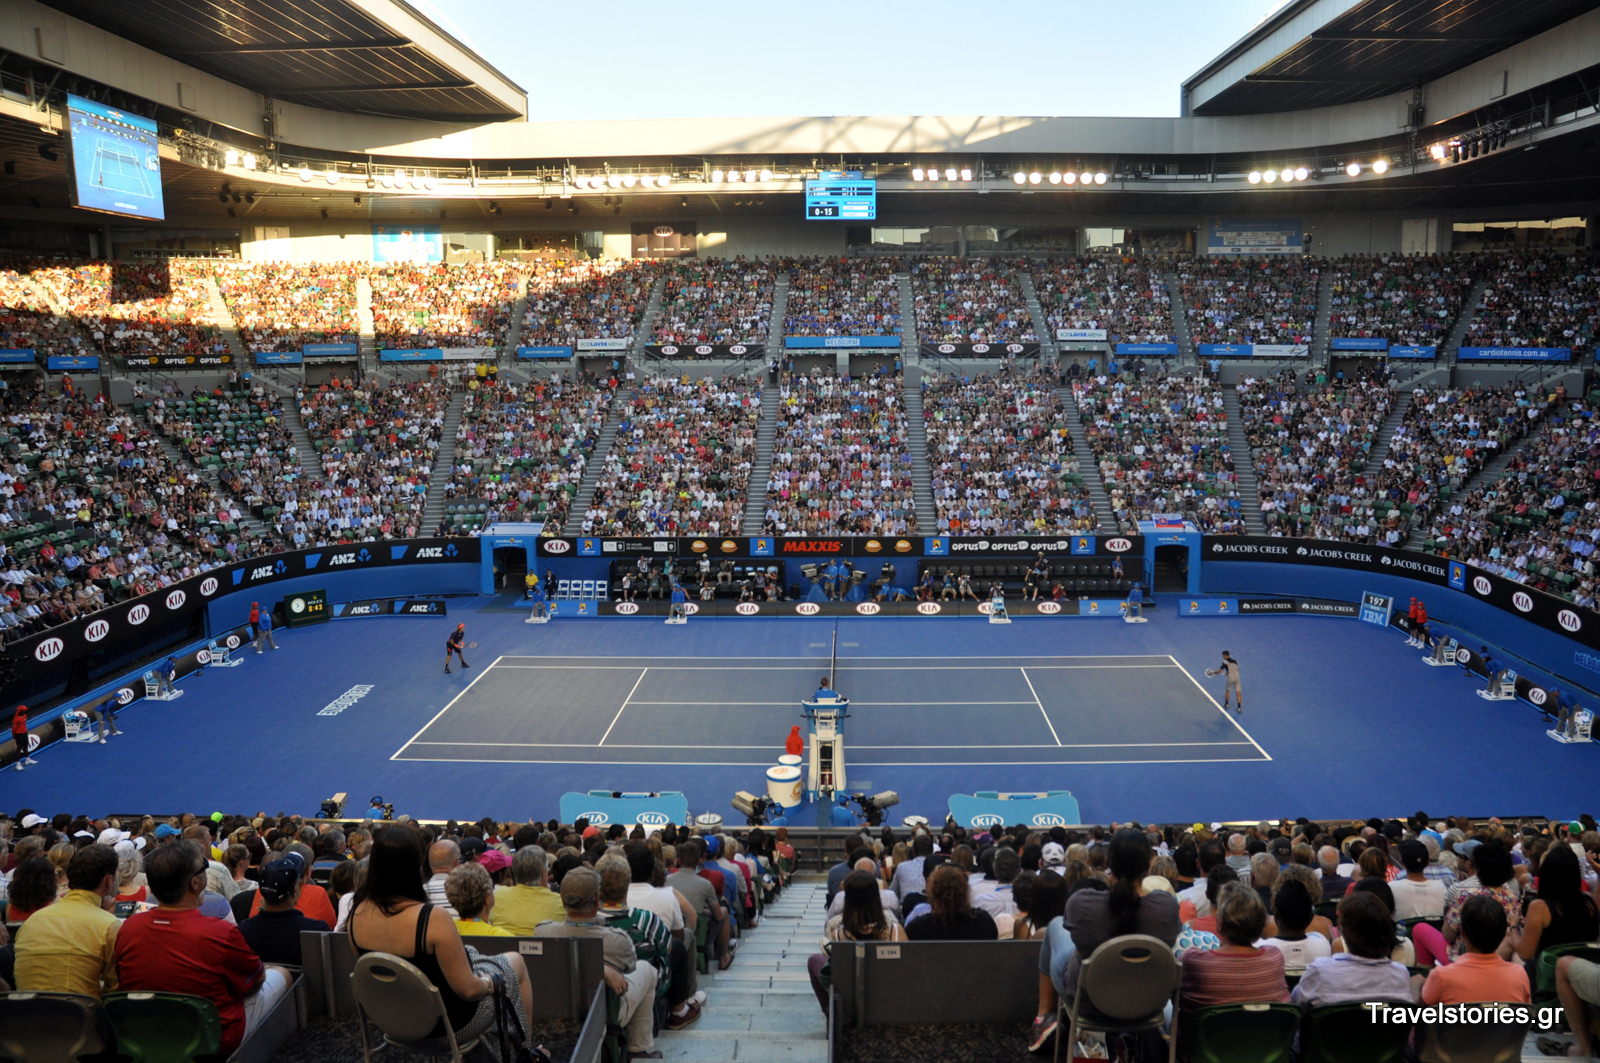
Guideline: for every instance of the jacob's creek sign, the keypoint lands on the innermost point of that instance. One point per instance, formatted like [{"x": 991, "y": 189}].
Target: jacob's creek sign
[{"x": 799, "y": 547}]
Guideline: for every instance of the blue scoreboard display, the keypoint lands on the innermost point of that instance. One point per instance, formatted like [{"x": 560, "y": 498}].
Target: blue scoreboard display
[
  {"x": 841, "y": 196},
  {"x": 116, "y": 164}
]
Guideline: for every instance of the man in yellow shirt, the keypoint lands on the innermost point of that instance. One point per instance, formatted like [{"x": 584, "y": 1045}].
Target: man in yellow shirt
[
  {"x": 522, "y": 907},
  {"x": 70, "y": 946},
  {"x": 470, "y": 891}
]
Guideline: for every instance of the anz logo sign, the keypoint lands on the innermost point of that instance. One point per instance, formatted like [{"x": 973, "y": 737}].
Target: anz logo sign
[
  {"x": 263, "y": 572},
  {"x": 437, "y": 552}
]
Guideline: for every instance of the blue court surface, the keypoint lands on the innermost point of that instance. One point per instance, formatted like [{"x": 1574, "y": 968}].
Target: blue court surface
[{"x": 1342, "y": 720}]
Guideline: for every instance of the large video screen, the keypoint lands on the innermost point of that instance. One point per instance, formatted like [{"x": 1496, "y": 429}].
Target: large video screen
[
  {"x": 841, "y": 196},
  {"x": 116, "y": 166}
]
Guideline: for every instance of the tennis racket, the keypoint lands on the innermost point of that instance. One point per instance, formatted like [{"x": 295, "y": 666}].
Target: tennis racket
[
  {"x": 472, "y": 645},
  {"x": 1213, "y": 672}
]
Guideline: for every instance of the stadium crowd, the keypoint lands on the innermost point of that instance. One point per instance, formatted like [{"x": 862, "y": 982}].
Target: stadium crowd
[
  {"x": 572, "y": 301},
  {"x": 843, "y": 297},
  {"x": 523, "y": 448},
  {"x": 1162, "y": 447},
  {"x": 717, "y": 301},
  {"x": 1538, "y": 300},
  {"x": 239, "y": 432},
  {"x": 1000, "y": 457},
  {"x": 841, "y": 459},
  {"x": 1410, "y": 300},
  {"x": 969, "y": 301},
  {"x": 137, "y": 308},
  {"x": 1266, "y": 300},
  {"x": 681, "y": 461},
  {"x": 281, "y": 306},
  {"x": 464, "y": 304},
  {"x": 27, "y": 319},
  {"x": 1310, "y": 445},
  {"x": 1125, "y": 296}
]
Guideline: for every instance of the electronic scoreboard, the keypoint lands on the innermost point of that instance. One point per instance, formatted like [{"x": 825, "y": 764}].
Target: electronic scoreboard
[
  {"x": 306, "y": 607},
  {"x": 841, "y": 195}
]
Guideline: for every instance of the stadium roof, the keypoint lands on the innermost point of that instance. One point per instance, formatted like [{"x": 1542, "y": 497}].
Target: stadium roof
[
  {"x": 378, "y": 57},
  {"x": 1317, "y": 53}
]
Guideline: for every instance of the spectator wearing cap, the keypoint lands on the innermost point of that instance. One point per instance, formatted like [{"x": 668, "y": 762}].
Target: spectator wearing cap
[
  {"x": 313, "y": 901},
  {"x": 1416, "y": 896},
  {"x": 1052, "y": 855},
  {"x": 497, "y": 863},
  {"x": 470, "y": 892},
  {"x": 632, "y": 981},
  {"x": 522, "y": 906},
  {"x": 175, "y": 949},
  {"x": 1492, "y": 877},
  {"x": 444, "y": 856},
  {"x": 70, "y": 946},
  {"x": 274, "y": 931}
]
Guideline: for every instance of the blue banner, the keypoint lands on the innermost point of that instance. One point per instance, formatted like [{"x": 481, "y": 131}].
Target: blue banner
[
  {"x": 1412, "y": 352},
  {"x": 1226, "y": 350},
  {"x": 278, "y": 358},
  {"x": 602, "y": 808},
  {"x": 1359, "y": 343},
  {"x": 803, "y": 342},
  {"x": 16, "y": 355},
  {"x": 1153, "y": 350},
  {"x": 411, "y": 354},
  {"x": 1254, "y": 236},
  {"x": 527, "y": 353},
  {"x": 330, "y": 350},
  {"x": 980, "y": 811},
  {"x": 1514, "y": 354},
  {"x": 1208, "y": 607},
  {"x": 73, "y": 361}
]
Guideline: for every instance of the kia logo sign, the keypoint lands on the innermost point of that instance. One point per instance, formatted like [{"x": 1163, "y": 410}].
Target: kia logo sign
[
  {"x": 980, "y": 348},
  {"x": 125, "y": 696},
  {"x": 176, "y": 599},
  {"x": 1049, "y": 608},
  {"x": 1463, "y": 656},
  {"x": 737, "y": 348},
  {"x": 627, "y": 608},
  {"x": 808, "y": 608},
  {"x": 557, "y": 546},
  {"x": 1569, "y": 620},
  {"x": 1049, "y": 819},
  {"x": 868, "y": 609},
  {"x": 1014, "y": 348},
  {"x": 138, "y": 614},
  {"x": 663, "y": 230},
  {"x": 1481, "y": 585},
  {"x": 703, "y": 348},
  {"x": 987, "y": 819},
  {"x": 596, "y": 819},
  {"x": 669, "y": 350},
  {"x": 1523, "y": 601},
  {"x": 49, "y": 649},
  {"x": 747, "y": 608},
  {"x": 690, "y": 609},
  {"x": 232, "y": 642},
  {"x": 1536, "y": 695},
  {"x": 985, "y": 608},
  {"x": 97, "y": 630},
  {"x": 928, "y": 608},
  {"x": 947, "y": 348},
  {"x": 652, "y": 819},
  {"x": 1118, "y": 546},
  {"x": 208, "y": 586},
  {"x": 203, "y": 658}
]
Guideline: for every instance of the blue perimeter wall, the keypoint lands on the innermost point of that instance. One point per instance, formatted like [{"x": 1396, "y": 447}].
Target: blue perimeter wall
[{"x": 232, "y": 609}]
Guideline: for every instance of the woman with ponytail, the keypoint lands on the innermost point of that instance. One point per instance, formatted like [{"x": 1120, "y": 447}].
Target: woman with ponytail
[{"x": 1094, "y": 917}]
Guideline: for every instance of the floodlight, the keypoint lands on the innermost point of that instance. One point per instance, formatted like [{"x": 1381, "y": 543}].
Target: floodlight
[
  {"x": 1287, "y": 175},
  {"x": 629, "y": 180},
  {"x": 1439, "y": 152},
  {"x": 1380, "y": 166},
  {"x": 1035, "y": 177},
  {"x": 1055, "y": 177},
  {"x": 750, "y": 175},
  {"x": 614, "y": 180},
  {"x": 664, "y": 180},
  {"x": 1020, "y": 178},
  {"x": 232, "y": 157},
  {"x": 332, "y": 177},
  {"x": 399, "y": 176},
  {"x": 249, "y": 161},
  {"x": 1100, "y": 178},
  {"x": 1269, "y": 176},
  {"x": 966, "y": 175},
  {"x": 1301, "y": 173},
  {"x": 1255, "y": 177},
  {"x": 1069, "y": 178},
  {"x": 916, "y": 173},
  {"x": 1085, "y": 178},
  {"x": 734, "y": 176},
  {"x": 648, "y": 180},
  {"x": 950, "y": 174},
  {"x": 1353, "y": 170},
  {"x": 305, "y": 174},
  {"x": 716, "y": 177}
]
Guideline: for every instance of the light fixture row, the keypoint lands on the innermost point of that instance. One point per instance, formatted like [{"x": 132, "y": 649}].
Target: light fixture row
[
  {"x": 1058, "y": 177},
  {"x": 933, "y": 174}
]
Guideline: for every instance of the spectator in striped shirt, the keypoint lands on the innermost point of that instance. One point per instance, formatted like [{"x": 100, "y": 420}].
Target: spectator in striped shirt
[{"x": 1238, "y": 972}]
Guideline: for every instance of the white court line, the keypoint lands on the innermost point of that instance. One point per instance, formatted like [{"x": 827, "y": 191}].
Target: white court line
[
  {"x": 1225, "y": 714},
  {"x": 846, "y": 665},
  {"x": 853, "y": 704},
  {"x": 702, "y": 745},
  {"x": 800, "y": 657},
  {"x": 446, "y": 708},
  {"x": 623, "y": 707},
  {"x": 865, "y": 764},
  {"x": 1039, "y": 703}
]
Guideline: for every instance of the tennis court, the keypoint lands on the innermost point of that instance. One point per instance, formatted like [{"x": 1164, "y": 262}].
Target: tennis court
[
  {"x": 120, "y": 171},
  {"x": 904, "y": 712}
]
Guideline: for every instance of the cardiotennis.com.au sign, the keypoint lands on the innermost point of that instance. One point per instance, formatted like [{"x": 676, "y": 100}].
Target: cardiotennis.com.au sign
[{"x": 155, "y": 614}]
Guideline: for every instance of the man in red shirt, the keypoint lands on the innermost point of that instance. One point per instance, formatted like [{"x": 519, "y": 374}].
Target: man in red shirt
[
  {"x": 175, "y": 949},
  {"x": 19, "y": 735}
]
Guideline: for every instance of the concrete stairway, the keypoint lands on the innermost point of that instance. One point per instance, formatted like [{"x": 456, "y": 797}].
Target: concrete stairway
[
  {"x": 1469, "y": 310},
  {"x": 755, "y": 505},
  {"x": 1088, "y": 468},
  {"x": 1050, "y": 353},
  {"x": 762, "y": 1009},
  {"x": 222, "y": 317},
  {"x": 646, "y": 331},
  {"x": 366, "y": 331},
  {"x": 597, "y": 459},
  {"x": 1244, "y": 466},
  {"x": 1180, "y": 323},
  {"x": 247, "y": 522},
  {"x": 1321, "y": 333},
  {"x": 908, "y": 319},
  {"x": 433, "y": 504},
  {"x": 917, "y": 433},
  {"x": 1380, "y": 449},
  {"x": 519, "y": 309},
  {"x": 780, "y": 310},
  {"x": 303, "y": 447}
]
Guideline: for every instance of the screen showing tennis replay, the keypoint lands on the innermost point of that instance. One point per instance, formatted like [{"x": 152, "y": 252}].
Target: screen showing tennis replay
[{"x": 116, "y": 165}]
